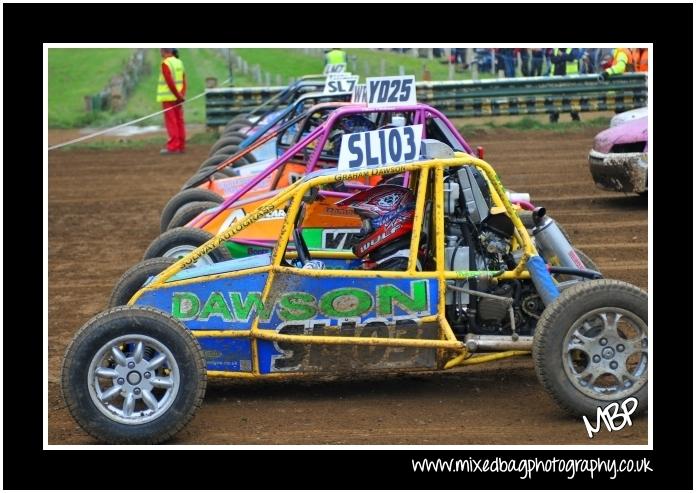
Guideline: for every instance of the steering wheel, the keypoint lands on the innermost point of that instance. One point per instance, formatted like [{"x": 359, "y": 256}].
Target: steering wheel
[{"x": 301, "y": 247}]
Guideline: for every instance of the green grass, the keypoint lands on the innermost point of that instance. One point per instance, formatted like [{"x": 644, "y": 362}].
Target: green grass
[
  {"x": 74, "y": 73},
  {"x": 293, "y": 62}
]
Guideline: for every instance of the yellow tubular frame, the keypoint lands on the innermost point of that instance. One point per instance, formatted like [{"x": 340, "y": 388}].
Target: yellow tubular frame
[{"x": 294, "y": 194}]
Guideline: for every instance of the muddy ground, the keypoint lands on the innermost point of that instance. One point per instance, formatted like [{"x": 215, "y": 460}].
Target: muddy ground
[{"x": 104, "y": 210}]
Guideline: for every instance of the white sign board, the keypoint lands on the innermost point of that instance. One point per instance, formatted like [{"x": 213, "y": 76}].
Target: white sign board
[
  {"x": 380, "y": 147},
  {"x": 343, "y": 75},
  {"x": 396, "y": 90},
  {"x": 359, "y": 94},
  {"x": 340, "y": 85},
  {"x": 334, "y": 68}
]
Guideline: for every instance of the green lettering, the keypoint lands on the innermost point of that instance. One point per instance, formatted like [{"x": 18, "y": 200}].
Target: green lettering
[
  {"x": 215, "y": 306},
  {"x": 243, "y": 308},
  {"x": 185, "y": 306},
  {"x": 346, "y": 302},
  {"x": 388, "y": 294},
  {"x": 298, "y": 306}
]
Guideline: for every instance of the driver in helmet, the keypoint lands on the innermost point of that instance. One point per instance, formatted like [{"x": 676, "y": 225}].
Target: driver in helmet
[
  {"x": 349, "y": 124},
  {"x": 387, "y": 213}
]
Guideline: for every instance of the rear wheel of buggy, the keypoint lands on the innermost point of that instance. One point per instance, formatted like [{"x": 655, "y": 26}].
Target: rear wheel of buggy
[
  {"x": 179, "y": 242},
  {"x": 133, "y": 375},
  {"x": 182, "y": 198},
  {"x": 134, "y": 279},
  {"x": 591, "y": 346}
]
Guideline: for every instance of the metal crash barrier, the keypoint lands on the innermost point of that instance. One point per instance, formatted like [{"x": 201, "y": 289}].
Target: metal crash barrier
[{"x": 514, "y": 96}]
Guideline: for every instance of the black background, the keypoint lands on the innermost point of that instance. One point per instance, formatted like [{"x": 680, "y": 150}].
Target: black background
[{"x": 26, "y": 27}]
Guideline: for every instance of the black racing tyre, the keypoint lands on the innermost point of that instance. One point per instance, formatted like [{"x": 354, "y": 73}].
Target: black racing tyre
[
  {"x": 225, "y": 140},
  {"x": 591, "y": 346},
  {"x": 213, "y": 161},
  {"x": 235, "y": 126},
  {"x": 178, "y": 242},
  {"x": 250, "y": 158},
  {"x": 188, "y": 212},
  {"x": 229, "y": 172},
  {"x": 134, "y": 278},
  {"x": 202, "y": 174},
  {"x": 230, "y": 151},
  {"x": 235, "y": 136},
  {"x": 182, "y": 198},
  {"x": 239, "y": 119},
  {"x": 233, "y": 133},
  {"x": 133, "y": 375}
]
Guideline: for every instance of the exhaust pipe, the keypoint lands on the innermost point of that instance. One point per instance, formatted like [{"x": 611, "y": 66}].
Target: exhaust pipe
[{"x": 483, "y": 343}]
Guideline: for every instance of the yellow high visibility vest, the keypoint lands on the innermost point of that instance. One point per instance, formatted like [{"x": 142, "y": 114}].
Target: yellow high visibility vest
[
  {"x": 176, "y": 67},
  {"x": 335, "y": 56},
  {"x": 571, "y": 67}
]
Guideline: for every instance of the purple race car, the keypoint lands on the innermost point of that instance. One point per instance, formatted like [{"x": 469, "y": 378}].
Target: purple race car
[{"x": 619, "y": 158}]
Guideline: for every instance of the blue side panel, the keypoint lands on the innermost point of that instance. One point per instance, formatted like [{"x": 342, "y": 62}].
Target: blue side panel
[
  {"x": 272, "y": 358},
  {"x": 221, "y": 304},
  {"x": 341, "y": 264},
  {"x": 226, "y": 354},
  {"x": 298, "y": 304}
]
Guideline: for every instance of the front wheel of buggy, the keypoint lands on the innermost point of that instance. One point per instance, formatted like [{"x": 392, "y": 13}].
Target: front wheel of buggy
[
  {"x": 133, "y": 375},
  {"x": 182, "y": 198},
  {"x": 188, "y": 212},
  {"x": 179, "y": 242},
  {"x": 591, "y": 346}
]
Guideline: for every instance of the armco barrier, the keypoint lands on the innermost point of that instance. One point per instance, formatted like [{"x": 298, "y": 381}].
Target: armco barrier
[{"x": 515, "y": 96}]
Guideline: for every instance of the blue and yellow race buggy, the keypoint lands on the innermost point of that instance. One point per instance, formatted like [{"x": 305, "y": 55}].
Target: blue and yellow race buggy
[{"x": 477, "y": 288}]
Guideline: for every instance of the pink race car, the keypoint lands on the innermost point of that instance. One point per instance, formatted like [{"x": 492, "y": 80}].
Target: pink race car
[{"x": 619, "y": 158}]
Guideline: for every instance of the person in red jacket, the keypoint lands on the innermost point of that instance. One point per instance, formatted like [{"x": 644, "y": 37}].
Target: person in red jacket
[{"x": 171, "y": 92}]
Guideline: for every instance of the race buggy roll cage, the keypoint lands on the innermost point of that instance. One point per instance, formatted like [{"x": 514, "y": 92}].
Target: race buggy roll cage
[
  {"x": 420, "y": 114},
  {"x": 529, "y": 266}
]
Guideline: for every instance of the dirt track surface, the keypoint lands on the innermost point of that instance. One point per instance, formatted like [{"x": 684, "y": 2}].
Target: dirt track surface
[{"x": 104, "y": 210}]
